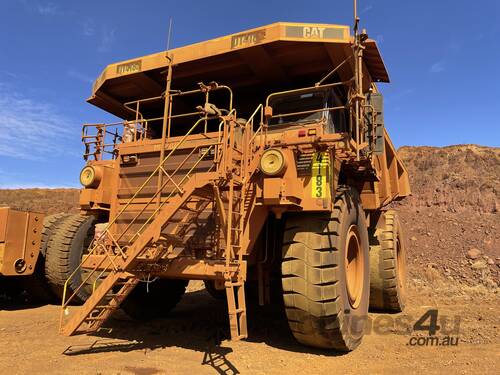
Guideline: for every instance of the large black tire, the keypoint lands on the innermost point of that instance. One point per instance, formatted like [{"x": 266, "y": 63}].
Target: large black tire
[
  {"x": 325, "y": 274},
  {"x": 36, "y": 284},
  {"x": 388, "y": 265},
  {"x": 155, "y": 299},
  {"x": 70, "y": 240}
]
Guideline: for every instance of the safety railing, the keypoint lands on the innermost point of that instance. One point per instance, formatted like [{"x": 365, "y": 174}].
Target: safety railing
[
  {"x": 101, "y": 140},
  {"x": 137, "y": 106},
  {"x": 102, "y": 244},
  {"x": 254, "y": 139}
]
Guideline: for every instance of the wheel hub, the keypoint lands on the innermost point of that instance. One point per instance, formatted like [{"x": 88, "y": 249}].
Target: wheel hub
[{"x": 354, "y": 267}]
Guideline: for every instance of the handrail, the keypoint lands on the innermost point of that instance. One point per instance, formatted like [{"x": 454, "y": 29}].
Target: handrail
[
  {"x": 106, "y": 231},
  {"x": 151, "y": 176},
  {"x": 259, "y": 107},
  {"x": 251, "y": 136},
  {"x": 204, "y": 89},
  {"x": 111, "y": 246},
  {"x": 107, "y": 255},
  {"x": 141, "y": 125},
  {"x": 310, "y": 111},
  {"x": 98, "y": 140},
  {"x": 157, "y": 210}
]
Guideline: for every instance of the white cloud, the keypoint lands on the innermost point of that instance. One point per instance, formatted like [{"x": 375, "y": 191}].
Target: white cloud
[
  {"x": 399, "y": 94},
  {"x": 88, "y": 28},
  {"x": 438, "y": 67},
  {"x": 43, "y": 8},
  {"x": 32, "y": 130},
  {"x": 48, "y": 9},
  {"x": 80, "y": 76},
  {"x": 107, "y": 39},
  {"x": 367, "y": 8},
  {"x": 8, "y": 74}
]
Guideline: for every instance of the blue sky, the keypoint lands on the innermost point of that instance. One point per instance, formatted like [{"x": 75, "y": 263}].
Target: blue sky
[{"x": 442, "y": 56}]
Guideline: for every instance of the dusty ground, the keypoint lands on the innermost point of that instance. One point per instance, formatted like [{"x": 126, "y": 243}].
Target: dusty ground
[
  {"x": 188, "y": 341},
  {"x": 453, "y": 233}
]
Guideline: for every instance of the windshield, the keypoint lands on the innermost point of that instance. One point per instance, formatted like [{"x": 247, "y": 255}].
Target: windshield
[{"x": 283, "y": 105}]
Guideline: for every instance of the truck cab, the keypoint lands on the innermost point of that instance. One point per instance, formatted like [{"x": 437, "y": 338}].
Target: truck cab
[{"x": 323, "y": 106}]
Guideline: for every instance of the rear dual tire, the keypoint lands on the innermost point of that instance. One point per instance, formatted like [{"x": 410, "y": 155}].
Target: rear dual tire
[
  {"x": 36, "y": 284},
  {"x": 388, "y": 271},
  {"x": 66, "y": 247}
]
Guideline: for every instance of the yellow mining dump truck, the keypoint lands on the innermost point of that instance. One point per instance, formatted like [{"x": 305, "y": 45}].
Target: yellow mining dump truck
[
  {"x": 248, "y": 158},
  {"x": 24, "y": 238}
]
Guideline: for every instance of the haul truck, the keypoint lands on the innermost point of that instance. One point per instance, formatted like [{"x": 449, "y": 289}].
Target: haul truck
[
  {"x": 21, "y": 241},
  {"x": 242, "y": 160},
  {"x": 24, "y": 238}
]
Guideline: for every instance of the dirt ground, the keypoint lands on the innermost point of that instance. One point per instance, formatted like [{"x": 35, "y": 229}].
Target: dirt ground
[{"x": 192, "y": 340}]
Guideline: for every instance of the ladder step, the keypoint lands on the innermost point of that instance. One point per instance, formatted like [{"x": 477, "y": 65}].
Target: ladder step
[
  {"x": 89, "y": 319},
  {"x": 237, "y": 284},
  {"x": 172, "y": 238},
  {"x": 114, "y": 295},
  {"x": 123, "y": 283},
  {"x": 117, "y": 284},
  {"x": 237, "y": 311},
  {"x": 184, "y": 208}
]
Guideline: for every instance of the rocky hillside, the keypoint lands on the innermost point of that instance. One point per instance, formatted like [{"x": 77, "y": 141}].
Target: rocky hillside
[
  {"x": 454, "y": 178},
  {"x": 452, "y": 219},
  {"x": 42, "y": 200}
]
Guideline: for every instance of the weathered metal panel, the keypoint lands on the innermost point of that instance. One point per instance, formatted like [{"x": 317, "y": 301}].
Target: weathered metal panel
[{"x": 20, "y": 237}]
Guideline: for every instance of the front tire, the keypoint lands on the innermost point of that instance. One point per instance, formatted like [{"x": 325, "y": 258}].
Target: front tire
[{"x": 325, "y": 274}]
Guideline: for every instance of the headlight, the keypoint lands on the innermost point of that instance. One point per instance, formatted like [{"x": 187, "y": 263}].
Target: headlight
[
  {"x": 272, "y": 162},
  {"x": 89, "y": 177}
]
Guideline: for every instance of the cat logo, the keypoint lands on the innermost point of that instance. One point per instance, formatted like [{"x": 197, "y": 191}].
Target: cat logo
[{"x": 310, "y": 32}]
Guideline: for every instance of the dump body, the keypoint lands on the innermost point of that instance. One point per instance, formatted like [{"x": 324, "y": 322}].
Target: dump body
[{"x": 257, "y": 61}]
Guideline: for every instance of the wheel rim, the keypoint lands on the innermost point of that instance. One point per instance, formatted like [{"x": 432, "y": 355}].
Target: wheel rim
[
  {"x": 401, "y": 263},
  {"x": 354, "y": 267}
]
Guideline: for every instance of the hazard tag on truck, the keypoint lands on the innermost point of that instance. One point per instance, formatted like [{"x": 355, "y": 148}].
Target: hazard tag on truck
[{"x": 320, "y": 168}]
